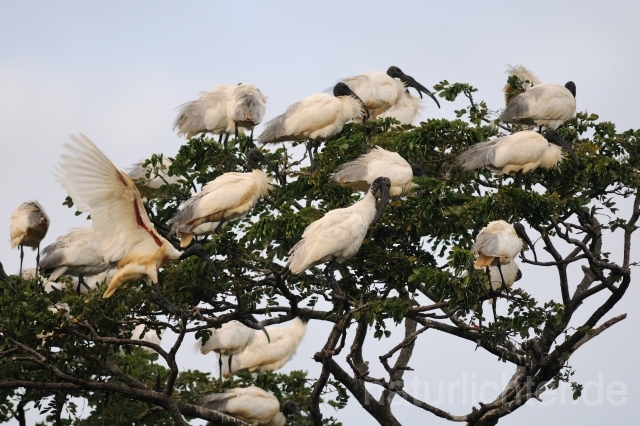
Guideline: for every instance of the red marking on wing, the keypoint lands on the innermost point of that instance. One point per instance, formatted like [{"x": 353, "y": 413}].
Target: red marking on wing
[
  {"x": 122, "y": 179},
  {"x": 141, "y": 224}
]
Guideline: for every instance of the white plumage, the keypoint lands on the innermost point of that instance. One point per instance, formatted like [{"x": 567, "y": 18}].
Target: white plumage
[
  {"x": 381, "y": 92},
  {"x": 523, "y": 75},
  {"x": 509, "y": 273},
  {"x": 124, "y": 232},
  {"x": 261, "y": 355},
  {"x": 29, "y": 226},
  {"x": 496, "y": 242},
  {"x": 230, "y": 339},
  {"x": 223, "y": 110},
  {"x": 251, "y": 405},
  {"x": 315, "y": 118},
  {"x": 360, "y": 173},
  {"x": 406, "y": 110},
  {"x": 157, "y": 178},
  {"x": 547, "y": 105},
  {"x": 520, "y": 152},
  {"x": 75, "y": 253},
  {"x": 338, "y": 235},
  {"x": 150, "y": 336},
  {"x": 228, "y": 197}
]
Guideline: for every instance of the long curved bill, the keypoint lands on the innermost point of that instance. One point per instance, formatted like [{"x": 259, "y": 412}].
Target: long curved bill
[
  {"x": 199, "y": 251},
  {"x": 5, "y": 278},
  {"x": 566, "y": 145},
  {"x": 523, "y": 235},
  {"x": 384, "y": 199},
  {"x": 365, "y": 110},
  {"x": 273, "y": 167},
  {"x": 410, "y": 81}
]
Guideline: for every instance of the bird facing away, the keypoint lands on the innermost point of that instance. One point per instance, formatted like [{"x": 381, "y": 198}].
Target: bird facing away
[
  {"x": 523, "y": 75},
  {"x": 547, "y": 105},
  {"x": 222, "y": 110},
  {"x": 252, "y": 405},
  {"x": 229, "y": 340},
  {"x": 125, "y": 234},
  {"x": 228, "y": 197},
  {"x": 381, "y": 91},
  {"x": 520, "y": 152},
  {"x": 360, "y": 173},
  {"x": 75, "y": 253},
  {"x": 29, "y": 225},
  {"x": 157, "y": 178},
  {"x": 405, "y": 110},
  {"x": 268, "y": 354}
]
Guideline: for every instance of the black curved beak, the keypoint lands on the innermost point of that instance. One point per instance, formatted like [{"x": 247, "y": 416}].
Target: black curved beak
[
  {"x": 566, "y": 145},
  {"x": 523, "y": 235},
  {"x": 410, "y": 81},
  {"x": 384, "y": 199},
  {"x": 519, "y": 275},
  {"x": 5, "y": 278},
  {"x": 264, "y": 330},
  {"x": 198, "y": 250},
  {"x": 273, "y": 167},
  {"x": 365, "y": 110}
]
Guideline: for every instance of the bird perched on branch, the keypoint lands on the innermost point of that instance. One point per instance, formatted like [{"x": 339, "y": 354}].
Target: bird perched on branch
[
  {"x": 251, "y": 405},
  {"x": 228, "y": 197},
  {"x": 29, "y": 226},
  {"x": 547, "y": 105},
  {"x": 381, "y": 92},
  {"x": 360, "y": 173},
  {"x": 126, "y": 236},
  {"x": 222, "y": 111},
  {"x": 518, "y": 153},
  {"x": 268, "y": 350},
  {"x": 316, "y": 118}
]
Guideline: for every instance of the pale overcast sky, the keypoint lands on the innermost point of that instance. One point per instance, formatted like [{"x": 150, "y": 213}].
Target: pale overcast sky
[{"x": 116, "y": 71}]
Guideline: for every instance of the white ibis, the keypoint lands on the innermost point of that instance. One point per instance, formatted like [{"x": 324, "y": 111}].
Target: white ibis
[
  {"x": 338, "y": 235},
  {"x": 252, "y": 405},
  {"x": 228, "y": 197},
  {"x": 547, "y": 105},
  {"x": 151, "y": 336},
  {"x": 125, "y": 234},
  {"x": 405, "y": 110},
  {"x": 359, "y": 174},
  {"x": 381, "y": 91},
  {"x": 222, "y": 110},
  {"x": 75, "y": 253},
  {"x": 498, "y": 244},
  {"x": 523, "y": 75},
  {"x": 316, "y": 118},
  {"x": 29, "y": 225},
  {"x": 518, "y": 153},
  {"x": 5, "y": 278},
  {"x": 230, "y": 339},
  {"x": 157, "y": 177},
  {"x": 268, "y": 353}
]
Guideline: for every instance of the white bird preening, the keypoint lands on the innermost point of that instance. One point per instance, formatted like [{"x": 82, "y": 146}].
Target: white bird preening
[
  {"x": 527, "y": 78},
  {"x": 75, "y": 253},
  {"x": 29, "y": 226},
  {"x": 125, "y": 234},
  {"x": 360, "y": 173},
  {"x": 252, "y": 405},
  {"x": 547, "y": 105},
  {"x": 405, "y": 110},
  {"x": 381, "y": 91},
  {"x": 230, "y": 339},
  {"x": 268, "y": 353},
  {"x": 222, "y": 111},
  {"x": 316, "y": 118},
  {"x": 497, "y": 245},
  {"x": 228, "y": 197},
  {"x": 338, "y": 235},
  {"x": 518, "y": 153}
]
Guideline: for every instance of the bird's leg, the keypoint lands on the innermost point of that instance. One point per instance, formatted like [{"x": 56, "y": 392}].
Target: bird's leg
[
  {"x": 219, "y": 227},
  {"x": 38, "y": 261},
  {"x": 21, "y": 257},
  {"x": 220, "y": 139},
  {"x": 309, "y": 151},
  {"x": 81, "y": 282},
  {"x": 494, "y": 301},
  {"x": 328, "y": 273},
  {"x": 226, "y": 139},
  {"x": 220, "y": 364},
  {"x": 230, "y": 358},
  {"x": 251, "y": 144},
  {"x": 504, "y": 285},
  {"x": 236, "y": 135},
  {"x": 518, "y": 179}
]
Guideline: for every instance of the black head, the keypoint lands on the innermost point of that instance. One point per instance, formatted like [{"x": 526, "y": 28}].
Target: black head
[
  {"x": 417, "y": 170},
  {"x": 522, "y": 234},
  {"x": 289, "y": 408},
  {"x": 409, "y": 81},
  {"x": 239, "y": 84},
  {"x": 250, "y": 317},
  {"x": 571, "y": 86},
  {"x": 5, "y": 278},
  {"x": 519, "y": 275},
  {"x": 554, "y": 137},
  {"x": 342, "y": 89},
  {"x": 198, "y": 250},
  {"x": 380, "y": 185}
]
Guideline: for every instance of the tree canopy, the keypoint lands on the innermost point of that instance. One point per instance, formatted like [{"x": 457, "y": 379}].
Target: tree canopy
[{"x": 415, "y": 268}]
